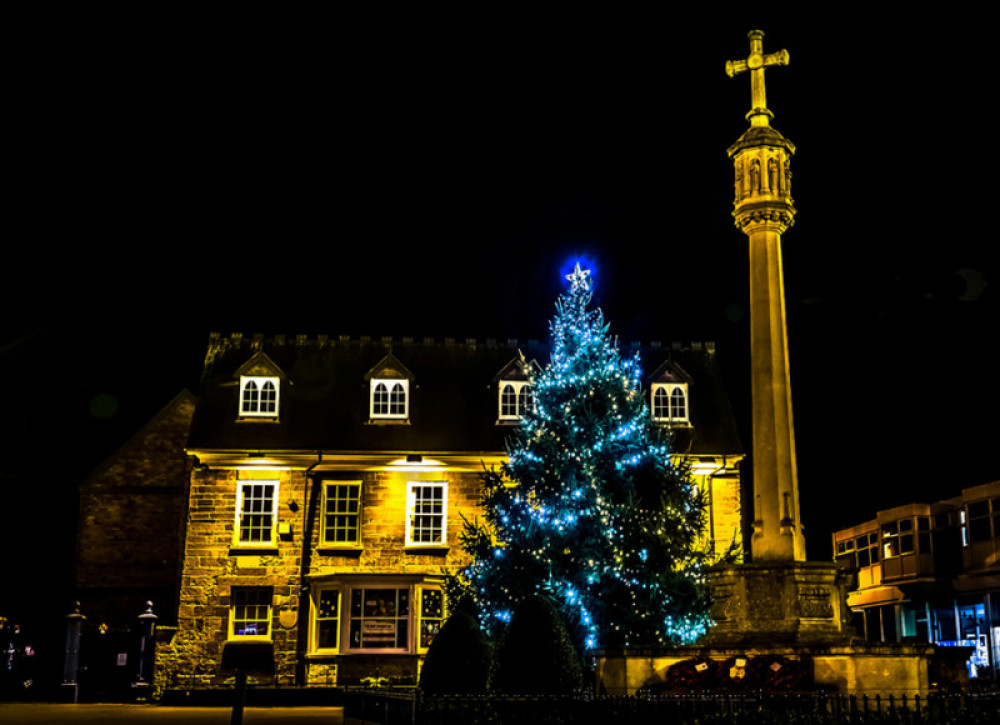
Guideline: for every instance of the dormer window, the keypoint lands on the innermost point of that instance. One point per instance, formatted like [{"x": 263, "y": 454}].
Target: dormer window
[
  {"x": 258, "y": 396},
  {"x": 516, "y": 399},
  {"x": 389, "y": 391},
  {"x": 390, "y": 398},
  {"x": 670, "y": 403}
]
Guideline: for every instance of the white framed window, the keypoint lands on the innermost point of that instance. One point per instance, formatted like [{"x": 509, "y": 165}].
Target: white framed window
[
  {"x": 326, "y": 620},
  {"x": 250, "y": 612},
  {"x": 670, "y": 402},
  {"x": 390, "y": 398},
  {"x": 426, "y": 513},
  {"x": 256, "y": 513},
  {"x": 385, "y": 617},
  {"x": 259, "y": 396},
  {"x": 341, "y": 513},
  {"x": 516, "y": 399}
]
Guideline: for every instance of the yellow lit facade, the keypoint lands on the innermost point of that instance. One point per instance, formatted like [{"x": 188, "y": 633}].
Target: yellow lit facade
[{"x": 317, "y": 538}]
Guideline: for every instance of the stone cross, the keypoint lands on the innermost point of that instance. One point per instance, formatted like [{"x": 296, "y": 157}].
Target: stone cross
[{"x": 756, "y": 62}]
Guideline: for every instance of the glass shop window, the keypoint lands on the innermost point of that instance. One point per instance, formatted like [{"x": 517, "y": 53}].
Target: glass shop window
[{"x": 380, "y": 618}]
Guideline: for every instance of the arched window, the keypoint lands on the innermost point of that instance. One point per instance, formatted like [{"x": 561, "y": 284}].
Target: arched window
[
  {"x": 516, "y": 399},
  {"x": 678, "y": 404},
  {"x": 525, "y": 400},
  {"x": 389, "y": 399},
  {"x": 508, "y": 402},
  {"x": 661, "y": 406},
  {"x": 268, "y": 398},
  {"x": 258, "y": 397},
  {"x": 250, "y": 397},
  {"x": 670, "y": 403},
  {"x": 397, "y": 400}
]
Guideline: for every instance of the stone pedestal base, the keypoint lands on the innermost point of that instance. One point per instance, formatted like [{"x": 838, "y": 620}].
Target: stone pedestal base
[
  {"x": 795, "y": 610},
  {"x": 801, "y": 602},
  {"x": 862, "y": 668}
]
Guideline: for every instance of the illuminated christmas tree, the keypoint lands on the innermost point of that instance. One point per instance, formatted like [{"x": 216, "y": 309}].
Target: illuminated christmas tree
[{"x": 589, "y": 509}]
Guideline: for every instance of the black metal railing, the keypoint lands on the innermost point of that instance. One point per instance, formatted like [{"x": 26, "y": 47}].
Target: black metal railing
[{"x": 401, "y": 707}]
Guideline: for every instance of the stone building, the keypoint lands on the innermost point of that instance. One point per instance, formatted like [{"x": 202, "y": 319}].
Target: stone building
[
  {"x": 324, "y": 485},
  {"x": 130, "y": 533},
  {"x": 930, "y": 573}
]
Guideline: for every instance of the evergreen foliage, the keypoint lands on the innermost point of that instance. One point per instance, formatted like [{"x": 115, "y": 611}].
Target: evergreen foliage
[
  {"x": 536, "y": 654},
  {"x": 589, "y": 509},
  {"x": 459, "y": 659}
]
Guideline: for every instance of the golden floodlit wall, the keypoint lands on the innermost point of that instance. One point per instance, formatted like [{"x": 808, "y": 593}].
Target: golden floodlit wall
[{"x": 204, "y": 649}]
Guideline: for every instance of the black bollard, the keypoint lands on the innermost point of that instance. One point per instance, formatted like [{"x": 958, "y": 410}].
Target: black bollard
[
  {"x": 239, "y": 699},
  {"x": 147, "y": 652},
  {"x": 70, "y": 690}
]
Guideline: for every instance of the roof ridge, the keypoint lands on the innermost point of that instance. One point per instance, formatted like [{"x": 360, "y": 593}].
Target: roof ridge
[{"x": 219, "y": 341}]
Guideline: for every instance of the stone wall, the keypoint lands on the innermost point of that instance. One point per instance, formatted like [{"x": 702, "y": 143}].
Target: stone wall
[
  {"x": 213, "y": 565},
  {"x": 130, "y": 529},
  {"x": 202, "y": 654}
]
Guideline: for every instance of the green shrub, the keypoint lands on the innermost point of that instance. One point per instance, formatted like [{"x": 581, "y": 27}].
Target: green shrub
[
  {"x": 459, "y": 658},
  {"x": 536, "y": 655}
]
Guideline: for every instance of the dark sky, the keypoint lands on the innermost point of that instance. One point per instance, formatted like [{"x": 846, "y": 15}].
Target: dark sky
[{"x": 433, "y": 175}]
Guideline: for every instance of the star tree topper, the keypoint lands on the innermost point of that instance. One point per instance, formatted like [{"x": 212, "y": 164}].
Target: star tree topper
[{"x": 579, "y": 279}]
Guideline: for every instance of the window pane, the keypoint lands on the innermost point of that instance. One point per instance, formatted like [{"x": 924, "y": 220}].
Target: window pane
[
  {"x": 525, "y": 400},
  {"x": 397, "y": 400},
  {"x": 432, "y": 604},
  {"x": 342, "y": 513},
  {"x": 427, "y": 514},
  {"x": 251, "y": 611},
  {"x": 678, "y": 405},
  {"x": 979, "y": 508},
  {"x": 380, "y": 400},
  {"x": 906, "y": 544},
  {"x": 250, "y": 397},
  {"x": 979, "y": 529},
  {"x": 257, "y": 512},
  {"x": 661, "y": 404},
  {"x": 328, "y": 619},
  {"x": 508, "y": 401},
  {"x": 379, "y": 618},
  {"x": 268, "y": 398}
]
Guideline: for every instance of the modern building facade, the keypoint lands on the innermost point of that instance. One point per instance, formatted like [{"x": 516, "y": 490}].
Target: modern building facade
[{"x": 930, "y": 573}]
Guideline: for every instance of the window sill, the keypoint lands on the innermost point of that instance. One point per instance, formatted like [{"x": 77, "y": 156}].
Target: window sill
[
  {"x": 248, "y": 640},
  {"x": 428, "y": 548},
  {"x": 323, "y": 655},
  {"x": 387, "y": 421},
  {"x": 253, "y": 550},
  {"x": 339, "y": 548},
  {"x": 257, "y": 419}
]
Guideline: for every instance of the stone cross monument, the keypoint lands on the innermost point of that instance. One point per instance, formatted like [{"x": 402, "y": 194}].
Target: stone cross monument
[
  {"x": 763, "y": 211},
  {"x": 777, "y": 596}
]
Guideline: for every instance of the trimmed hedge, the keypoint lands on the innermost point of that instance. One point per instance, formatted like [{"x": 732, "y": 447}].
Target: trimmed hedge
[
  {"x": 536, "y": 654},
  {"x": 459, "y": 659}
]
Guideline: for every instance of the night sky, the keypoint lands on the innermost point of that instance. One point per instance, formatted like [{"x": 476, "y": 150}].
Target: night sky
[{"x": 434, "y": 176}]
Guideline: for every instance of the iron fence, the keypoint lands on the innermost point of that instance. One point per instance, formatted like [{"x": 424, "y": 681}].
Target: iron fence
[{"x": 396, "y": 707}]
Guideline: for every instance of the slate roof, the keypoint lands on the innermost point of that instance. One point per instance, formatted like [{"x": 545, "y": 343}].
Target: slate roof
[{"x": 324, "y": 397}]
